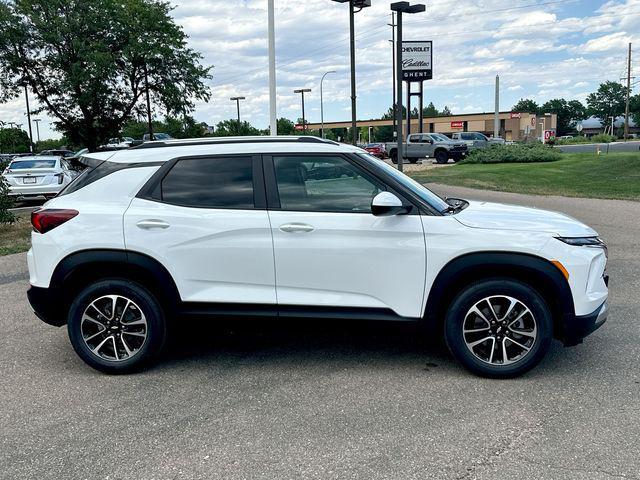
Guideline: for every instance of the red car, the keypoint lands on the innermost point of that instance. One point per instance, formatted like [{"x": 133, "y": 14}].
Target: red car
[{"x": 377, "y": 150}]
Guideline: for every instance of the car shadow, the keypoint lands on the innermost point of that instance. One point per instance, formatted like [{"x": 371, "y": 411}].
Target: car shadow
[{"x": 304, "y": 340}]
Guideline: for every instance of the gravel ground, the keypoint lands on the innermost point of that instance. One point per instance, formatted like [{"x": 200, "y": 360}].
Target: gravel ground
[{"x": 327, "y": 400}]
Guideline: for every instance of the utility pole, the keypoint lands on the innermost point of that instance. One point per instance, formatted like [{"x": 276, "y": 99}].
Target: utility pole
[
  {"x": 304, "y": 122},
  {"x": 26, "y": 98},
  {"x": 393, "y": 59},
  {"x": 496, "y": 117},
  {"x": 273, "y": 121},
  {"x": 146, "y": 87},
  {"x": 626, "y": 111}
]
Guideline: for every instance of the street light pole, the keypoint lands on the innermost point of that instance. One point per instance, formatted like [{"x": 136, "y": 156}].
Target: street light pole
[
  {"x": 400, "y": 8},
  {"x": 37, "y": 122},
  {"x": 273, "y": 121},
  {"x": 146, "y": 88},
  {"x": 26, "y": 98},
  {"x": 322, "y": 104},
  {"x": 304, "y": 122},
  {"x": 393, "y": 59},
  {"x": 353, "y": 4},
  {"x": 237, "y": 100}
]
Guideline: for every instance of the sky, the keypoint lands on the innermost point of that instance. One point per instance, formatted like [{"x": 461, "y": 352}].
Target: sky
[{"x": 541, "y": 49}]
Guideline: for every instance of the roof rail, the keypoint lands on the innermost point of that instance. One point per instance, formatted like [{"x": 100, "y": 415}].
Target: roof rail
[{"x": 231, "y": 140}]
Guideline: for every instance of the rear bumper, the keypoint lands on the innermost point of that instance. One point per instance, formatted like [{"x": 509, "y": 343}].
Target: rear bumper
[
  {"x": 47, "y": 305},
  {"x": 576, "y": 328},
  {"x": 34, "y": 190}
]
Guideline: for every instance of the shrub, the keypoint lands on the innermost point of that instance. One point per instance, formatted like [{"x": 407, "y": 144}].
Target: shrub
[
  {"x": 6, "y": 202},
  {"x": 520, "y": 153},
  {"x": 603, "y": 138}
]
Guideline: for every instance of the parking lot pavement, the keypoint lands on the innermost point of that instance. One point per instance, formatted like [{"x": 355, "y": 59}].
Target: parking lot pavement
[
  {"x": 631, "y": 146},
  {"x": 318, "y": 400}
]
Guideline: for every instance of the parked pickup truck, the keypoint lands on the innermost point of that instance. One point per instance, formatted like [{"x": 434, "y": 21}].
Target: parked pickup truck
[{"x": 429, "y": 145}]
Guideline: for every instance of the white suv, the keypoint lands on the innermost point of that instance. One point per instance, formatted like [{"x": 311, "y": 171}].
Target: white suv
[{"x": 299, "y": 227}]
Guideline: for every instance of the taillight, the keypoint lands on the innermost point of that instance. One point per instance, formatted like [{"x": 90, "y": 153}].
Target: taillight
[{"x": 47, "y": 219}]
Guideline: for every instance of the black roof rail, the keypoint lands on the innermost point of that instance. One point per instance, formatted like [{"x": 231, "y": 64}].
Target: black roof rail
[{"x": 231, "y": 140}]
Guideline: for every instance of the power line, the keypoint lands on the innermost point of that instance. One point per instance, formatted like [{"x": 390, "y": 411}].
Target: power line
[{"x": 375, "y": 30}]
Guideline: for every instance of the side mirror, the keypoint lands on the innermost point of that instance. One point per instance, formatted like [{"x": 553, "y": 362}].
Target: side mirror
[{"x": 386, "y": 204}]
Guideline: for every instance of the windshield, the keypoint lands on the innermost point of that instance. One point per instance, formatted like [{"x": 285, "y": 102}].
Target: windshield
[
  {"x": 439, "y": 136},
  {"x": 26, "y": 164},
  {"x": 421, "y": 191}
]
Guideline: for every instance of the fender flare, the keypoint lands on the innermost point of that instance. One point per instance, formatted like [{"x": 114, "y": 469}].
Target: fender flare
[{"x": 533, "y": 270}]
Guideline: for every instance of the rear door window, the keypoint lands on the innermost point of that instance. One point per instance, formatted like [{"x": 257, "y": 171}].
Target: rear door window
[{"x": 210, "y": 183}]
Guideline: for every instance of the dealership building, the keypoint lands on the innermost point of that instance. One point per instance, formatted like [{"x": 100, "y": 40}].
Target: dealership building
[{"x": 513, "y": 125}]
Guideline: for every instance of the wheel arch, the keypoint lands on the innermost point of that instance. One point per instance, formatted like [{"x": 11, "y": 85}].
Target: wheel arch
[
  {"x": 535, "y": 271},
  {"x": 75, "y": 271}
]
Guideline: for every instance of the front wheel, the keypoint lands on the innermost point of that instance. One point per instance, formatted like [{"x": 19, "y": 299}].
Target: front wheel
[
  {"x": 498, "y": 328},
  {"x": 394, "y": 156},
  {"x": 116, "y": 326},
  {"x": 442, "y": 157}
]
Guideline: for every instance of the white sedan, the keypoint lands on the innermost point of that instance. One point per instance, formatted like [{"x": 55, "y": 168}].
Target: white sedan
[{"x": 38, "y": 176}]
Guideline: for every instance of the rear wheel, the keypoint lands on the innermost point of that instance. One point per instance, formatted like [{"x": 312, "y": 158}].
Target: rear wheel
[
  {"x": 498, "y": 328},
  {"x": 116, "y": 326},
  {"x": 442, "y": 156}
]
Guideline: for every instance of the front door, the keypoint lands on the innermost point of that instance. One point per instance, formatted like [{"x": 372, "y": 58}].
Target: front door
[{"x": 330, "y": 251}]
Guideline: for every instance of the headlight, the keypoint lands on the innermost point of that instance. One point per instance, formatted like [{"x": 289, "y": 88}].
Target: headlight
[{"x": 585, "y": 242}]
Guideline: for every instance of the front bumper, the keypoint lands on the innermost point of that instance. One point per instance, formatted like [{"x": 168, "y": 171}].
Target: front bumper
[
  {"x": 576, "y": 328},
  {"x": 47, "y": 305}
]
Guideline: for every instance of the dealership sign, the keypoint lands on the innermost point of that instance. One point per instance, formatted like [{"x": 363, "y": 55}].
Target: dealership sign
[
  {"x": 457, "y": 125},
  {"x": 417, "y": 60}
]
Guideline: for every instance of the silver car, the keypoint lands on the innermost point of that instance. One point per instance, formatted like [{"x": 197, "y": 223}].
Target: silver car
[
  {"x": 475, "y": 140},
  {"x": 38, "y": 176}
]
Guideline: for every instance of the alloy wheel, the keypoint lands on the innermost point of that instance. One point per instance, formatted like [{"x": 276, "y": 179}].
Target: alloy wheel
[
  {"x": 500, "y": 330},
  {"x": 114, "y": 328}
]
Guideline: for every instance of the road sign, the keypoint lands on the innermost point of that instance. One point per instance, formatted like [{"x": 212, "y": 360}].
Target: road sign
[
  {"x": 417, "y": 59},
  {"x": 579, "y": 127},
  {"x": 549, "y": 134}
]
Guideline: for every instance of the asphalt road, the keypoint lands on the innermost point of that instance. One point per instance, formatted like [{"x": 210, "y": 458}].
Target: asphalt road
[
  {"x": 604, "y": 147},
  {"x": 317, "y": 400}
]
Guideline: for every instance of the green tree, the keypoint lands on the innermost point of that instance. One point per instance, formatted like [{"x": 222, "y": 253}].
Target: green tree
[
  {"x": 286, "y": 127},
  {"x": 231, "y": 128},
  {"x": 568, "y": 113},
  {"x": 86, "y": 62},
  {"x": 430, "y": 111},
  {"x": 634, "y": 109},
  {"x": 608, "y": 101},
  {"x": 526, "y": 105},
  {"x": 13, "y": 140}
]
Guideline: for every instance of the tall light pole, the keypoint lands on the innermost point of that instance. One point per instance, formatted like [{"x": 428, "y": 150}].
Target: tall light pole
[
  {"x": 37, "y": 122},
  {"x": 400, "y": 8},
  {"x": 237, "y": 100},
  {"x": 26, "y": 98},
  {"x": 393, "y": 59},
  {"x": 302, "y": 91},
  {"x": 322, "y": 104},
  {"x": 273, "y": 121},
  {"x": 355, "y": 6}
]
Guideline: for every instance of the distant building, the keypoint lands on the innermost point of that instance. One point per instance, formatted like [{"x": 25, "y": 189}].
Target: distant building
[
  {"x": 594, "y": 126},
  {"x": 513, "y": 125}
]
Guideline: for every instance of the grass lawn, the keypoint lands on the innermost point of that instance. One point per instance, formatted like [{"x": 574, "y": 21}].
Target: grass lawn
[
  {"x": 616, "y": 175},
  {"x": 16, "y": 238}
]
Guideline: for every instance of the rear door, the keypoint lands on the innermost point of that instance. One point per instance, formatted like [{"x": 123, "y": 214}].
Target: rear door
[
  {"x": 205, "y": 220},
  {"x": 330, "y": 251}
]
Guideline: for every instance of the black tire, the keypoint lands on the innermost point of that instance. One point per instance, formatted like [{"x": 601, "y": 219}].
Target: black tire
[
  {"x": 144, "y": 302},
  {"x": 442, "y": 156},
  {"x": 394, "y": 156},
  {"x": 459, "y": 310}
]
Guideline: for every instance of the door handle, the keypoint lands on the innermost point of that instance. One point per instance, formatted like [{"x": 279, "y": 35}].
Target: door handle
[
  {"x": 296, "y": 228},
  {"x": 152, "y": 223}
]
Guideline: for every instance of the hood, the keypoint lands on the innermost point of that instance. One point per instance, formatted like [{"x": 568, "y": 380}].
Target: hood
[{"x": 498, "y": 216}]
